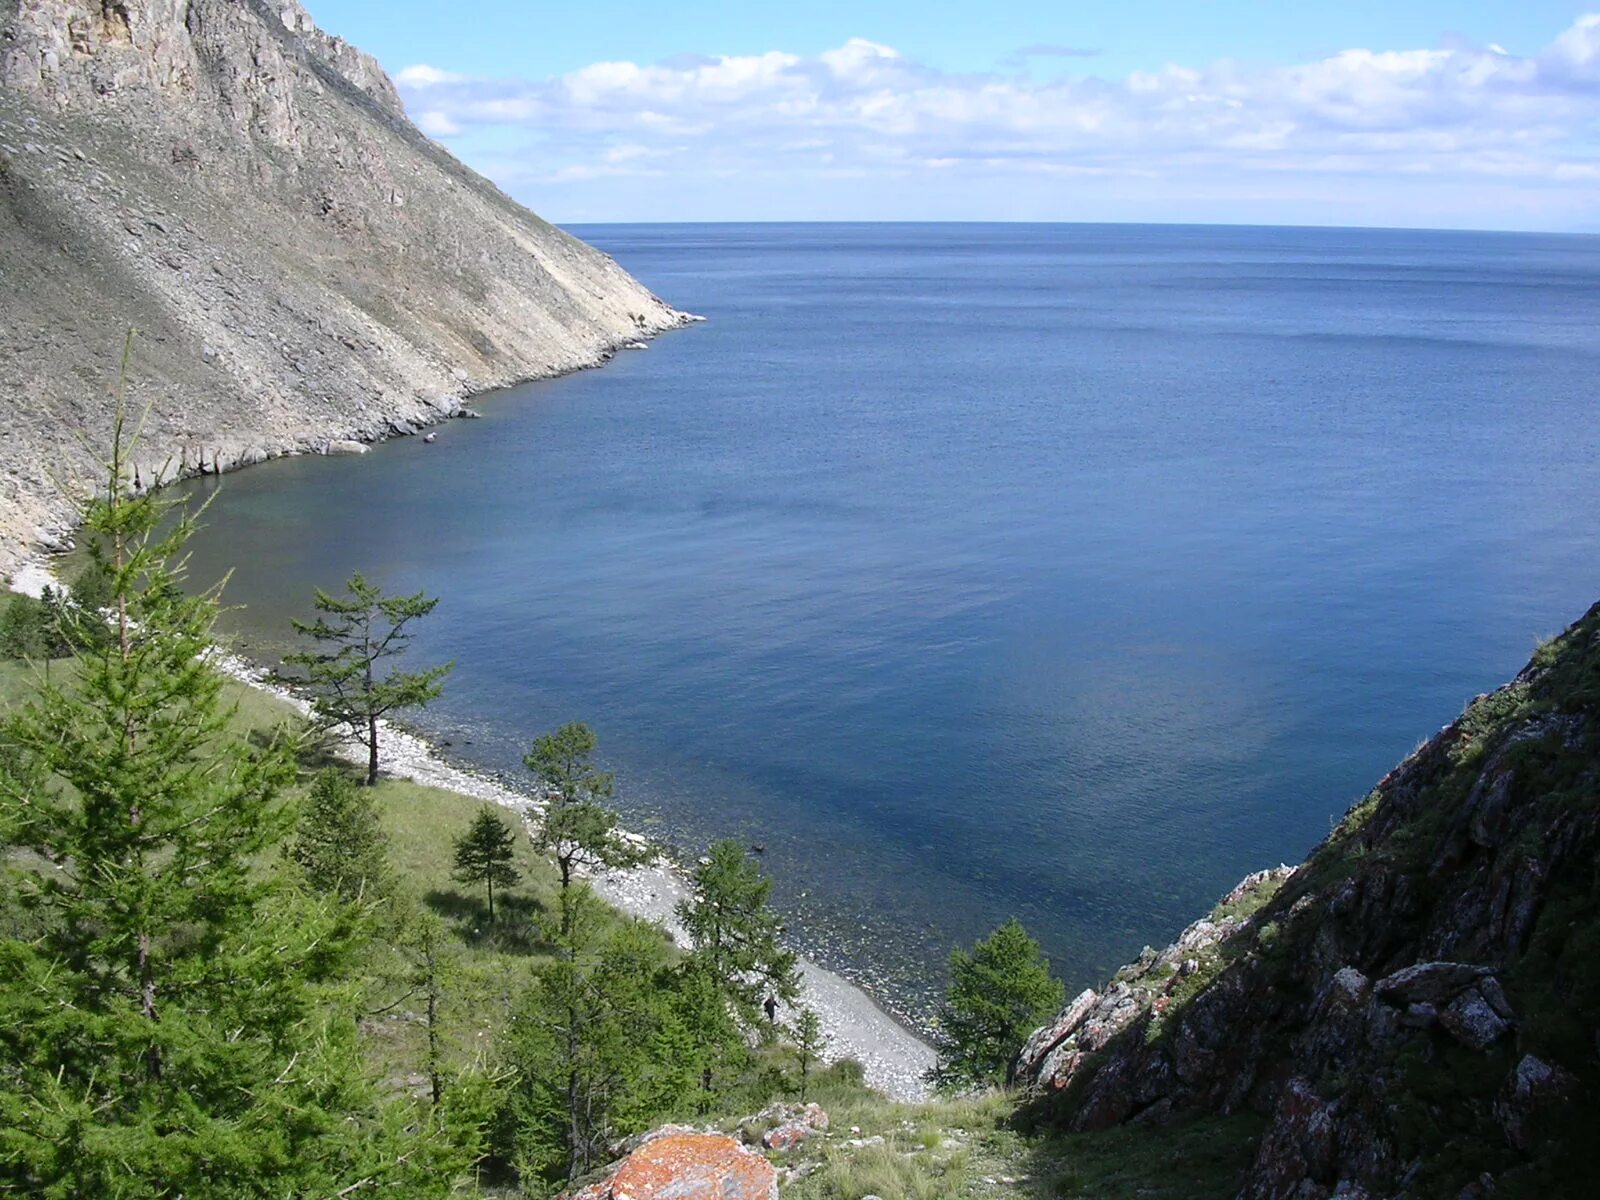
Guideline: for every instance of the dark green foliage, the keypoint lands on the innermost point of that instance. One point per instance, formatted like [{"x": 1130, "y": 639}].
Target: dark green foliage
[
  {"x": 351, "y": 679},
  {"x": 999, "y": 994},
  {"x": 735, "y": 933},
  {"x": 31, "y": 629},
  {"x": 338, "y": 843},
  {"x": 484, "y": 853},
  {"x": 597, "y": 1048},
  {"x": 577, "y": 830},
  {"x": 177, "y": 1026}
]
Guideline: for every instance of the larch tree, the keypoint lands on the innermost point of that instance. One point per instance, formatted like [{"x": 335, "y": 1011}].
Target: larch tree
[
  {"x": 577, "y": 830},
  {"x": 351, "y": 676},
  {"x": 999, "y": 993},
  {"x": 595, "y": 1051},
  {"x": 484, "y": 854},
  {"x": 176, "y": 1021},
  {"x": 810, "y": 1042},
  {"x": 338, "y": 842},
  {"x": 735, "y": 935}
]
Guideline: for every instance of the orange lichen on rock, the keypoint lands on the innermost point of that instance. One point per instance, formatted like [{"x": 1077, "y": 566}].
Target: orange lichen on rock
[{"x": 684, "y": 1165}]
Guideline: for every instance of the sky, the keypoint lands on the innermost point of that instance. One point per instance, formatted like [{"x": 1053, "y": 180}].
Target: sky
[{"x": 1404, "y": 113}]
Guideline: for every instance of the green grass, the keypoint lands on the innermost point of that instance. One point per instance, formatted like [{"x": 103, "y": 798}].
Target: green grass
[{"x": 969, "y": 1147}]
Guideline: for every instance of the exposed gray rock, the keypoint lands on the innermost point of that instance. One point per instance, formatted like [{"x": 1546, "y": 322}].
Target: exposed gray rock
[
  {"x": 1432, "y": 983},
  {"x": 1473, "y": 1021},
  {"x": 1533, "y": 1089},
  {"x": 301, "y": 263}
]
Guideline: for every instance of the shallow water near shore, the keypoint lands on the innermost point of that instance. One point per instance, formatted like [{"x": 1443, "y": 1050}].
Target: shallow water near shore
[{"x": 1069, "y": 572}]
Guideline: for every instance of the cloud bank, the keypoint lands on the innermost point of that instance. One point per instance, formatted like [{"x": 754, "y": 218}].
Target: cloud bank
[{"x": 1469, "y": 134}]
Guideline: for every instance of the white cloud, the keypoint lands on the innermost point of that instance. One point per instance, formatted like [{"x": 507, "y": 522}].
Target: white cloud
[
  {"x": 422, "y": 76},
  {"x": 1435, "y": 116}
]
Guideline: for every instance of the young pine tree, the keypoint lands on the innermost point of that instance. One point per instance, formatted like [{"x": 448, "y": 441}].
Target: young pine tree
[
  {"x": 809, "y": 1045},
  {"x": 352, "y": 681},
  {"x": 737, "y": 959},
  {"x": 578, "y": 830},
  {"x": 338, "y": 842},
  {"x": 595, "y": 1048},
  {"x": 484, "y": 854},
  {"x": 174, "y": 1024},
  {"x": 999, "y": 993}
]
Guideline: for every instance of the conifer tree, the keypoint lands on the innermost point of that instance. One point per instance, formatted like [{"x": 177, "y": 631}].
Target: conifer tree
[
  {"x": 352, "y": 681},
  {"x": 338, "y": 842},
  {"x": 577, "y": 829},
  {"x": 484, "y": 854},
  {"x": 596, "y": 1048},
  {"x": 735, "y": 933},
  {"x": 176, "y": 1024},
  {"x": 809, "y": 1044},
  {"x": 999, "y": 993}
]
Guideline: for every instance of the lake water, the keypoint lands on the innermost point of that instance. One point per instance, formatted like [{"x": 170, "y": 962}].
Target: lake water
[{"x": 1069, "y": 572}]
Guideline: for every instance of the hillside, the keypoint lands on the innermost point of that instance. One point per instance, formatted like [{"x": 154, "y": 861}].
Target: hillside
[
  {"x": 302, "y": 264},
  {"x": 1415, "y": 1011}
]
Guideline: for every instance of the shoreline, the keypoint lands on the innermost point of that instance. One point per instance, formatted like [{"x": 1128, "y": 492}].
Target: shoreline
[
  {"x": 893, "y": 1059},
  {"x": 27, "y": 556}
]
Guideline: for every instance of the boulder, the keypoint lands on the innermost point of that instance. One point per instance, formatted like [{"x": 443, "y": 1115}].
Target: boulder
[
  {"x": 1047, "y": 1037},
  {"x": 1473, "y": 1022},
  {"x": 1533, "y": 1088},
  {"x": 681, "y": 1164},
  {"x": 1433, "y": 983}
]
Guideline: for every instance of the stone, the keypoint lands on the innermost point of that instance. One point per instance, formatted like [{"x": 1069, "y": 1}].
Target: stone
[
  {"x": 1429, "y": 982},
  {"x": 786, "y": 1136},
  {"x": 682, "y": 1164},
  {"x": 1533, "y": 1088},
  {"x": 345, "y": 446},
  {"x": 1047, "y": 1037},
  {"x": 1473, "y": 1022}
]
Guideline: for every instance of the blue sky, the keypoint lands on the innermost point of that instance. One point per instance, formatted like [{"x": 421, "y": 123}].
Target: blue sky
[{"x": 1410, "y": 112}]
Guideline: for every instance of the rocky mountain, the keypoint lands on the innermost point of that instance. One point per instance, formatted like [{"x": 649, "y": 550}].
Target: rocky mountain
[
  {"x": 1415, "y": 1011},
  {"x": 301, "y": 263}
]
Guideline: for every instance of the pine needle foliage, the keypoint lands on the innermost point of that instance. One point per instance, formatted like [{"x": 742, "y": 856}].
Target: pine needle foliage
[
  {"x": 999, "y": 993},
  {"x": 577, "y": 830},
  {"x": 352, "y": 679},
  {"x": 339, "y": 843},
  {"x": 484, "y": 854},
  {"x": 175, "y": 1024},
  {"x": 735, "y": 933},
  {"x": 597, "y": 1048}
]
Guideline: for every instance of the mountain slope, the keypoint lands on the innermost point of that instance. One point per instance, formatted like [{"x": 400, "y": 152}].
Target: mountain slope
[
  {"x": 1416, "y": 1010},
  {"x": 303, "y": 265}
]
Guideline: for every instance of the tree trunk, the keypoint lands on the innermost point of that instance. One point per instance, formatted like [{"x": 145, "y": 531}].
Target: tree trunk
[
  {"x": 577, "y": 1159},
  {"x": 490, "y": 881},
  {"x": 433, "y": 1025},
  {"x": 372, "y": 750}
]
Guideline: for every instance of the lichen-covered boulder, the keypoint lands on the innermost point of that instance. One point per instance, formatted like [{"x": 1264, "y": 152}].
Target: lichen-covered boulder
[{"x": 681, "y": 1164}]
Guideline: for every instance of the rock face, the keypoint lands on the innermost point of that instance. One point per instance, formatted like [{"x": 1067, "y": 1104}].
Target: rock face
[
  {"x": 303, "y": 266},
  {"x": 680, "y": 1164},
  {"x": 1415, "y": 1011}
]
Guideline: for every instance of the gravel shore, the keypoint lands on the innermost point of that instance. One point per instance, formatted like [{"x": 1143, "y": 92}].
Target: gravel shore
[{"x": 894, "y": 1060}]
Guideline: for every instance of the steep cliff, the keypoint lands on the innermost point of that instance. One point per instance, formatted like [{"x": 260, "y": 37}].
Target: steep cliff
[
  {"x": 1416, "y": 1009},
  {"x": 302, "y": 264}
]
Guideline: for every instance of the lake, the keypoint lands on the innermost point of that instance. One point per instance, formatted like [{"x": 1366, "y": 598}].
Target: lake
[{"x": 1069, "y": 572}]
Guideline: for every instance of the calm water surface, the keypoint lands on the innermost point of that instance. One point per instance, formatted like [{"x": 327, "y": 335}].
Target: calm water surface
[{"x": 1064, "y": 571}]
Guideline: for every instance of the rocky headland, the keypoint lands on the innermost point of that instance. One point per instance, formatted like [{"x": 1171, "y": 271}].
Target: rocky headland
[
  {"x": 303, "y": 266},
  {"x": 1415, "y": 1011}
]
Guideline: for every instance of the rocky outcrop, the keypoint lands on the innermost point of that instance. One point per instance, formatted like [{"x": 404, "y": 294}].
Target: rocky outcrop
[
  {"x": 676, "y": 1163},
  {"x": 303, "y": 266},
  {"x": 1415, "y": 1011}
]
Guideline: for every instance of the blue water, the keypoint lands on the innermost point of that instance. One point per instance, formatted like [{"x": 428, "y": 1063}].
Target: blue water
[{"x": 1061, "y": 571}]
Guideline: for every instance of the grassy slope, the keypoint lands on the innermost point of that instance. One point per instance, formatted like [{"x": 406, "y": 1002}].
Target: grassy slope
[{"x": 948, "y": 1148}]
